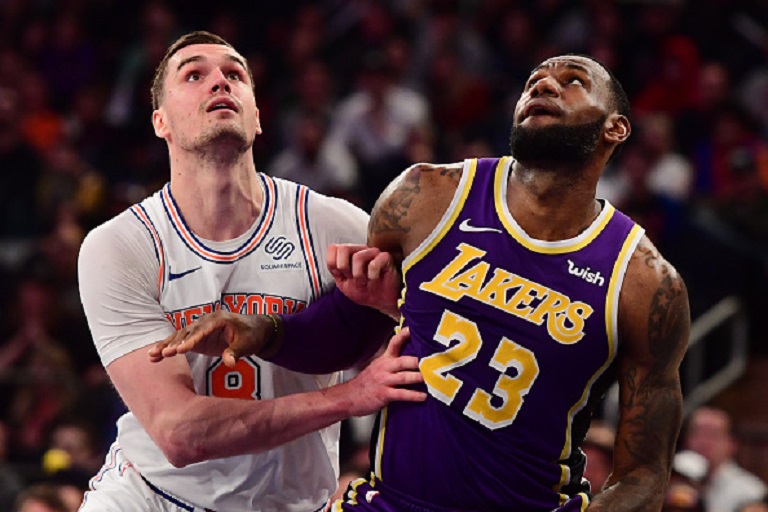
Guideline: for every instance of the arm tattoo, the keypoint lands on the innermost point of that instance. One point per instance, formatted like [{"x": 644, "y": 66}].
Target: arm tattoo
[
  {"x": 652, "y": 410},
  {"x": 390, "y": 215},
  {"x": 452, "y": 172}
]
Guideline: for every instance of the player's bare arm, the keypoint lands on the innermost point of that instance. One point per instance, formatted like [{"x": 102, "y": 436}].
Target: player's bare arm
[
  {"x": 654, "y": 327},
  {"x": 411, "y": 206},
  {"x": 224, "y": 428}
]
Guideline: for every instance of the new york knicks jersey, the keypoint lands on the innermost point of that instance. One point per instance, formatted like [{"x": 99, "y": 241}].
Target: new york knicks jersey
[
  {"x": 277, "y": 266},
  {"x": 514, "y": 337}
]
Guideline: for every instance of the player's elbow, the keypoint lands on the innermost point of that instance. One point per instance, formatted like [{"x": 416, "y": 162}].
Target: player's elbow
[{"x": 180, "y": 444}]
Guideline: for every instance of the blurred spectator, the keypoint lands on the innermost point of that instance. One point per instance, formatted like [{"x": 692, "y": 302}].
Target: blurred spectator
[
  {"x": 21, "y": 168},
  {"x": 626, "y": 185},
  {"x": 74, "y": 448},
  {"x": 88, "y": 132},
  {"x": 375, "y": 123},
  {"x": 69, "y": 184},
  {"x": 459, "y": 102},
  {"x": 712, "y": 91},
  {"x": 709, "y": 432},
  {"x": 38, "y": 374},
  {"x": 684, "y": 490},
  {"x": 47, "y": 391},
  {"x": 312, "y": 95},
  {"x": 755, "y": 506},
  {"x": 598, "y": 447},
  {"x": 41, "y": 498},
  {"x": 314, "y": 160},
  {"x": 732, "y": 172},
  {"x": 444, "y": 26},
  {"x": 10, "y": 481},
  {"x": 70, "y": 60},
  {"x": 130, "y": 103},
  {"x": 42, "y": 126},
  {"x": 671, "y": 174},
  {"x": 673, "y": 84}
]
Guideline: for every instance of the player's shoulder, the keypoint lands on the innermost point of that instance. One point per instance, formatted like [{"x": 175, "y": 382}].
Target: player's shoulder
[
  {"x": 426, "y": 179},
  {"x": 123, "y": 232},
  {"x": 651, "y": 281},
  {"x": 647, "y": 264}
]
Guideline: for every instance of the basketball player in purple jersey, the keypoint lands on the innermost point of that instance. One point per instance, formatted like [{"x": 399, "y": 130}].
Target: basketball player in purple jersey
[{"x": 525, "y": 297}]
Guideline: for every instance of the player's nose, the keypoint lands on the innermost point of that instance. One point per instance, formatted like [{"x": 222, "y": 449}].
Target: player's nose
[
  {"x": 220, "y": 82},
  {"x": 545, "y": 86}
]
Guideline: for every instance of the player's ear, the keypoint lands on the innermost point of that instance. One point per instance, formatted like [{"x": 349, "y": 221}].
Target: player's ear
[
  {"x": 617, "y": 128},
  {"x": 258, "y": 122},
  {"x": 159, "y": 124}
]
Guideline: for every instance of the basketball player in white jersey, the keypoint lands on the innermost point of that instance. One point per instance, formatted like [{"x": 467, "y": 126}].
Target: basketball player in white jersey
[{"x": 201, "y": 435}]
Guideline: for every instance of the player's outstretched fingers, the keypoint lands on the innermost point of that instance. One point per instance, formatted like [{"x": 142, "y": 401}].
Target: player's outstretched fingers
[{"x": 165, "y": 348}]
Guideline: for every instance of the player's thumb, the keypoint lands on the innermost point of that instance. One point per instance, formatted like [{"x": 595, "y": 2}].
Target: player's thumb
[{"x": 230, "y": 356}]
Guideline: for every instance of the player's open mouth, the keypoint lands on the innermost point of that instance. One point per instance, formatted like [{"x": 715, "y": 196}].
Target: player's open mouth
[
  {"x": 222, "y": 104},
  {"x": 540, "y": 108}
]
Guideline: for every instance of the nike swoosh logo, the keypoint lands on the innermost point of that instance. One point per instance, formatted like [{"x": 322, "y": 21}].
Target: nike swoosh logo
[
  {"x": 464, "y": 226},
  {"x": 172, "y": 276}
]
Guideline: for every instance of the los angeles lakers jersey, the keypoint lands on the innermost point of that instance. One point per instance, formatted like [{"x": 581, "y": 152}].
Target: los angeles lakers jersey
[
  {"x": 515, "y": 337},
  {"x": 277, "y": 266}
]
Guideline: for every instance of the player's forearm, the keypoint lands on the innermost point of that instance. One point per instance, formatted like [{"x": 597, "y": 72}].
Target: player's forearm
[
  {"x": 648, "y": 429},
  {"x": 207, "y": 428},
  {"x": 332, "y": 334}
]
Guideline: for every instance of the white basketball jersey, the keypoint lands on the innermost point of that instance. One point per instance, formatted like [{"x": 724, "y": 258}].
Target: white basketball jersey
[{"x": 277, "y": 266}]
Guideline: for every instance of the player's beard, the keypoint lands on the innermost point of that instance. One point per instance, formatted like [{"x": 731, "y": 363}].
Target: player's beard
[{"x": 557, "y": 144}]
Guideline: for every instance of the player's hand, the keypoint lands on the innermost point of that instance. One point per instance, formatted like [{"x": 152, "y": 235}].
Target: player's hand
[
  {"x": 366, "y": 275},
  {"x": 382, "y": 381},
  {"x": 220, "y": 333}
]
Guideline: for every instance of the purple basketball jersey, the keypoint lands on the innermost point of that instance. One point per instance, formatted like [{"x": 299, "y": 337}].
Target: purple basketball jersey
[{"x": 515, "y": 337}]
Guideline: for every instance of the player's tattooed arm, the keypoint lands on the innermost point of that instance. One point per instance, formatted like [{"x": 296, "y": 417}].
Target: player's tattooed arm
[
  {"x": 654, "y": 329},
  {"x": 411, "y": 206}
]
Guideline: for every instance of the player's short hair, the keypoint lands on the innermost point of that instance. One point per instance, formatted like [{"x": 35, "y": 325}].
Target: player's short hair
[{"x": 196, "y": 37}]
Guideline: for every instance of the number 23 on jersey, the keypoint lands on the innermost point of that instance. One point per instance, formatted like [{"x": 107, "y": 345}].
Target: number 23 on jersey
[{"x": 437, "y": 368}]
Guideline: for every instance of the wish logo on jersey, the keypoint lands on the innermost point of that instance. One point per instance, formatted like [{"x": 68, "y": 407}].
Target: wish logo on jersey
[
  {"x": 280, "y": 249},
  {"x": 243, "y": 303}
]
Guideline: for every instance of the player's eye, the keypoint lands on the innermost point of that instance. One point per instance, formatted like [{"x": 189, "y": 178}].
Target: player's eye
[
  {"x": 531, "y": 82},
  {"x": 233, "y": 75},
  {"x": 193, "y": 76},
  {"x": 576, "y": 80}
]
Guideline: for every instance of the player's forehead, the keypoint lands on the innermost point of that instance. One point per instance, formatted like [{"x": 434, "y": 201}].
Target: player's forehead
[
  {"x": 204, "y": 53},
  {"x": 585, "y": 64}
]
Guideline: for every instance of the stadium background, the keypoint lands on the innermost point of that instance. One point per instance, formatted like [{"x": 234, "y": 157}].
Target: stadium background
[{"x": 76, "y": 147}]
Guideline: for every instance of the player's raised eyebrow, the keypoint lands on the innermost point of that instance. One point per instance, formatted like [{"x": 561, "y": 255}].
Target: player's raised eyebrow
[{"x": 198, "y": 58}]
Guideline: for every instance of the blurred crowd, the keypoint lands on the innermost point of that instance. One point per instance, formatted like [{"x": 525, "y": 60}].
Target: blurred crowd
[{"x": 351, "y": 92}]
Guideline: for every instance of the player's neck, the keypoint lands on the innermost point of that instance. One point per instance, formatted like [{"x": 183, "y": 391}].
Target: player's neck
[
  {"x": 218, "y": 202},
  {"x": 552, "y": 205}
]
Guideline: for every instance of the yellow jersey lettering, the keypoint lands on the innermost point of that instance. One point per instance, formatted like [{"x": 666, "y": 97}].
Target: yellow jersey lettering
[
  {"x": 568, "y": 334},
  {"x": 551, "y": 305},
  {"x": 565, "y": 319},
  {"x": 495, "y": 292},
  {"x": 440, "y": 285},
  {"x": 519, "y": 304}
]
